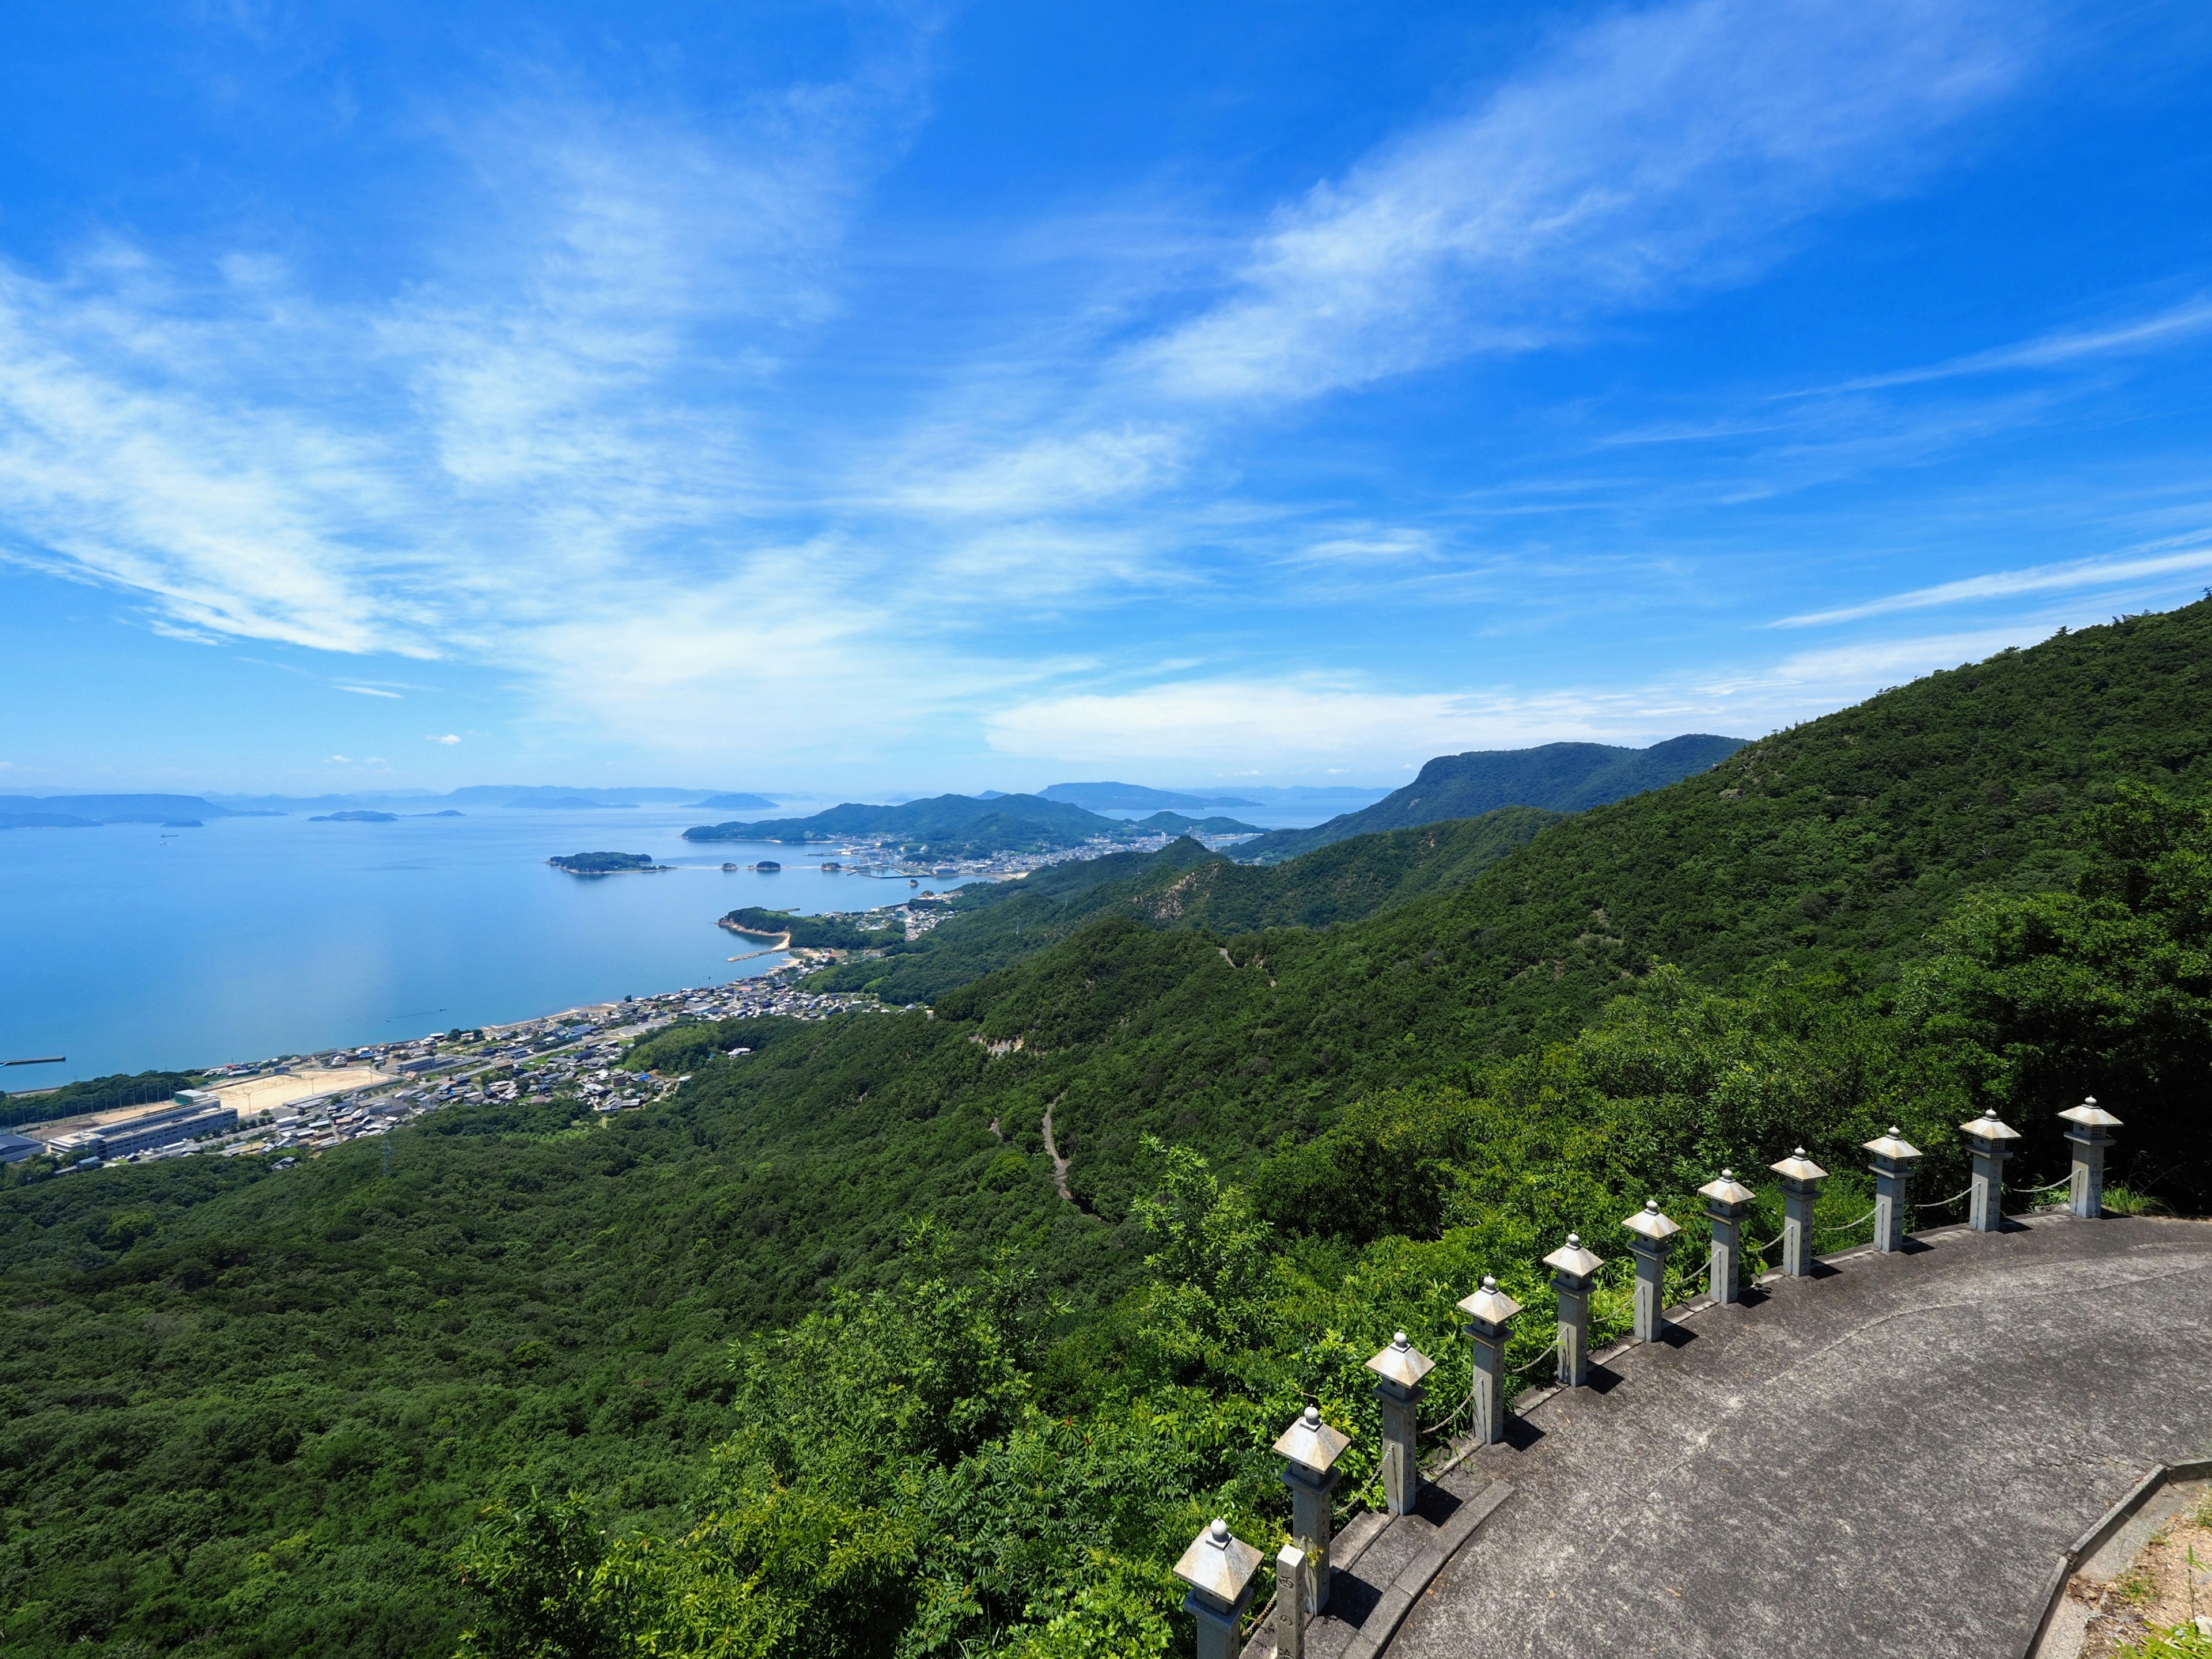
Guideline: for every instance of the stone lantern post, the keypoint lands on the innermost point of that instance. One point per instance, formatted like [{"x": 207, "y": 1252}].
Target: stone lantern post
[
  {"x": 1401, "y": 1367},
  {"x": 1991, "y": 1142},
  {"x": 1310, "y": 1448},
  {"x": 1218, "y": 1568},
  {"x": 1488, "y": 1311},
  {"x": 1726, "y": 1201},
  {"x": 1651, "y": 1235},
  {"x": 2090, "y": 1133},
  {"x": 1893, "y": 1159},
  {"x": 1801, "y": 1185},
  {"x": 1572, "y": 1267}
]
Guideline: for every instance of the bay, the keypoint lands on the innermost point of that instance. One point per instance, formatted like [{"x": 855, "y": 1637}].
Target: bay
[{"x": 132, "y": 946}]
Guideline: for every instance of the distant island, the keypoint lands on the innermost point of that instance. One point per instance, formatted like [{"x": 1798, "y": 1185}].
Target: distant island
[
  {"x": 356, "y": 817},
  {"x": 448, "y": 813},
  {"x": 605, "y": 864}
]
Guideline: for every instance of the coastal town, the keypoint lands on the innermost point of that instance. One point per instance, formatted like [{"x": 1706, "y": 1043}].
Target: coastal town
[{"x": 296, "y": 1106}]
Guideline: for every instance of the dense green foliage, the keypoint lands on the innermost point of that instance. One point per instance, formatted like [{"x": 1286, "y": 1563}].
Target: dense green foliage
[
  {"x": 1558, "y": 777},
  {"x": 601, "y": 864},
  {"x": 819, "y": 1332},
  {"x": 834, "y": 932},
  {"x": 94, "y": 1094}
]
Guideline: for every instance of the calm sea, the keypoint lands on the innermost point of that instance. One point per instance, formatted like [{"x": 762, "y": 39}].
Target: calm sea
[{"x": 131, "y": 947}]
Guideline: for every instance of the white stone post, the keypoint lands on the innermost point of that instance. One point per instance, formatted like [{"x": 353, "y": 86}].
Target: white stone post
[
  {"x": 2090, "y": 1133},
  {"x": 1726, "y": 1201},
  {"x": 1310, "y": 1448},
  {"x": 1572, "y": 1267},
  {"x": 1488, "y": 1311},
  {"x": 1800, "y": 1186},
  {"x": 1401, "y": 1367},
  {"x": 1219, "y": 1569},
  {"x": 1893, "y": 1159},
  {"x": 1993, "y": 1144},
  {"x": 1292, "y": 1591},
  {"x": 1650, "y": 1236}
]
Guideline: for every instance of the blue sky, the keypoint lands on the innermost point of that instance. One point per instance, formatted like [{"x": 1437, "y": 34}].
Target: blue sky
[{"x": 856, "y": 399}]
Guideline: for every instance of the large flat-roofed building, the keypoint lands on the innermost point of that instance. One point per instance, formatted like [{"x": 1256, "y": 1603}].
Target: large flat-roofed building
[{"x": 196, "y": 1114}]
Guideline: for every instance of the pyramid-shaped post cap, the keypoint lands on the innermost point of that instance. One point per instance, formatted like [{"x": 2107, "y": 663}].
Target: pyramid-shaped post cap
[
  {"x": 1490, "y": 1303},
  {"x": 1311, "y": 1443},
  {"x": 1218, "y": 1565},
  {"x": 1401, "y": 1363},
  {"x": 1987, "y": 1127},
  {"x": 1798, "y": 1167},
  {"x": 1727, "y": 1190},
  {"x": 1650, "y": 1223},
  {"x": 1571, "y": 1258},
  {"x": 1892, "y": 1147},
  {"x": 2090, "y": 1116}
]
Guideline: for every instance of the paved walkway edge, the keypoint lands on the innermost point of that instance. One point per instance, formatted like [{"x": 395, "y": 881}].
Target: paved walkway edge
[
  {"x": 2112, "y": 1521},
  {"x": 1415, "y": 1579},
  {"x": 1405, "y": 1589}
]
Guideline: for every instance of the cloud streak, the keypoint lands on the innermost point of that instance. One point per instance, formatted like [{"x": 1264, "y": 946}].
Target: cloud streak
[
  {"x": 2052, "y": 350},
  {"x": 2007, "y": 584}
]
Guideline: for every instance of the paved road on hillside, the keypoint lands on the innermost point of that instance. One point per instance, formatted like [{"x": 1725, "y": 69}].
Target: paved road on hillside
[{"x": 1884, "y": 1460}]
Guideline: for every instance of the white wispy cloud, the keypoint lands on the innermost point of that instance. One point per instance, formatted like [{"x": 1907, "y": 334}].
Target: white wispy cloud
[
  {"x": 2159, "y": 329},
  {"x": 1660, "y": 152},
  {"x": 555, "y": 404},
  {"x": 369, "y": 691},
  {"x": 2005, "y": 584}
]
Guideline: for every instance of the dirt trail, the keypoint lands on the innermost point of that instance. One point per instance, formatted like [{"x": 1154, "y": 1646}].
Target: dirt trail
[{"x": 1052, "y": 1151}]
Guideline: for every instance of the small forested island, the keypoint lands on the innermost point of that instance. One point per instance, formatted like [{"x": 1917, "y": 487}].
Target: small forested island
[
  {"x": 605, "y": 864},
  {"x": 356, "y": 817}
]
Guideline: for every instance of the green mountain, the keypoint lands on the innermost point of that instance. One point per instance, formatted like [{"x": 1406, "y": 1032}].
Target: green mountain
[
  {"x": 944, "y": 826},
  {"x": 1559, "y": 777},
  {"x": 835, "y": 1367}
]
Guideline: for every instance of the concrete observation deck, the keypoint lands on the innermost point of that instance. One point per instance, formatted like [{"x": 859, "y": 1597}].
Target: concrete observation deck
[{"x": 1884, "y": 1459}]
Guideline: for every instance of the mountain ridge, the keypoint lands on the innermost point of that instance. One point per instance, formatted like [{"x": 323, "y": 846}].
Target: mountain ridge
[{"x": 1557, "y": 777}]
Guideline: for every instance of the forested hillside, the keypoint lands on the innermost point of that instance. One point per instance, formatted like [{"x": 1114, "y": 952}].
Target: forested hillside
[
  {"x": 996, "y": 924},
  {"x": 956, "y": 1414}
]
